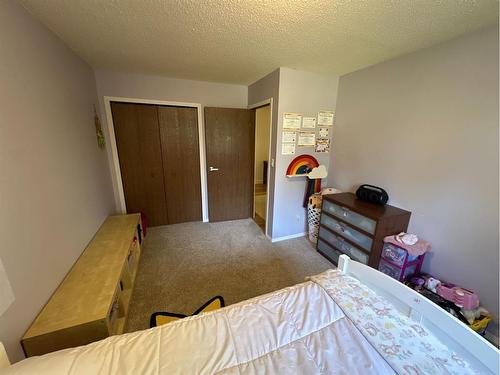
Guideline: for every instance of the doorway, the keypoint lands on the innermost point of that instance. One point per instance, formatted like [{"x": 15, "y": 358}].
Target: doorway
[
  {"x": 230, "y": 147},
  {"x": 261, "y": 165}
]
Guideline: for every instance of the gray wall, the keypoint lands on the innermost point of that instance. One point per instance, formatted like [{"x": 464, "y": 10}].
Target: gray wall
[
  {"x": 55, "y": 188},
  {"x": 140, "y": 86},
  {"x": 305, "y": 93},
  {"x": 170, "y": 89},
  {"x": 425, "y": 127},
  {"x": 268, "y": 88}
]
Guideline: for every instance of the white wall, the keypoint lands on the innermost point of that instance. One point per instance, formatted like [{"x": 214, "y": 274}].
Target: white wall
[
  {"x": 425, "y": 127},
  {"x": 208, "y": 94},
  {"x": 262, "y": 130},
  {"x": 55, "y": 187},
  {"x": 305, "y": 93}
]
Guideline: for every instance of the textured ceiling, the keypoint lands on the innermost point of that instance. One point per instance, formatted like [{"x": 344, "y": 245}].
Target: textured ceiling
[{"x": 239, "y": 41}]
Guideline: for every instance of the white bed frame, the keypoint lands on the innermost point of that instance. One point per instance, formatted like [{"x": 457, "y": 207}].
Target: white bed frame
[{"x": 479, "y": 352}]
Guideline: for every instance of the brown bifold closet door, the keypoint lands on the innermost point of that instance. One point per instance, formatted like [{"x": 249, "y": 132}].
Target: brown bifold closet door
[
  {"x": 181, "y": 162},
  {"x": 139, "y": 152},
  {"x": 229, "y": 139},
  {"x": 159, "y": 157}
]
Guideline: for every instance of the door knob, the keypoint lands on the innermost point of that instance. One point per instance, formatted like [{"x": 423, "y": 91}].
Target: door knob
[{"x": 212, "y": 169}]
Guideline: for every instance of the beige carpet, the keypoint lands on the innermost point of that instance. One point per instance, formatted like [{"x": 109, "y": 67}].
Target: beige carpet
[{"x": 184, "y": 265}]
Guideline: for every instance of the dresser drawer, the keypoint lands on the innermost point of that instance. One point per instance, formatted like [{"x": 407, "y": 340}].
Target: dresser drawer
[
  {"x": 343, "y": 246},
  {"x": 349, "y": 216},
  {"x": 329, "y": 251},
  {"x": 357, "y": 237}
]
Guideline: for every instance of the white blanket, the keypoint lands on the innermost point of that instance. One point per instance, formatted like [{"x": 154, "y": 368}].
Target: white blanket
[{"x": 296, "y": 330}]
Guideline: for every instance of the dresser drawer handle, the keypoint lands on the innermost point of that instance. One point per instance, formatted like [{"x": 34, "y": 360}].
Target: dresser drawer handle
[{"x": 345, "y": 211}]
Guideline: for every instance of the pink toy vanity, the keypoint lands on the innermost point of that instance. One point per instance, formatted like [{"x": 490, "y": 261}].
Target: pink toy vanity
[
  {"x": 399, "y": 260},
  {"x": 461, "y": 297}
]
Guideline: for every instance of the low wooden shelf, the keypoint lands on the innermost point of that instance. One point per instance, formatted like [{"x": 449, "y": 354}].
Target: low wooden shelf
[{"x": 92, "y": 301}]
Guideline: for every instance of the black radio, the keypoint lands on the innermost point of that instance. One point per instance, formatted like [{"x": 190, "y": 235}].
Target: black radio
[{"x": 372, "y": 194}]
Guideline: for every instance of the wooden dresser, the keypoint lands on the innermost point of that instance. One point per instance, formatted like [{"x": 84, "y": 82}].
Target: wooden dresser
[
  {"x": 357, "y": 228},
  {"x": 92, "y": 301}
]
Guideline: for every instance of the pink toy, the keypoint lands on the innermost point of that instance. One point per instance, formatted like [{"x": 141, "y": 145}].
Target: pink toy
[{"x": 461, "y": 297}]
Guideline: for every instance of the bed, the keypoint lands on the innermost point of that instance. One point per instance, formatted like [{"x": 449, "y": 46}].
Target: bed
[{"x": 353, "y": 320}]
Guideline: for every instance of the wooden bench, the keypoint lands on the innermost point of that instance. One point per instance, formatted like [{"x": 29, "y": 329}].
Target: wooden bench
[{"x": 92, "y": 301}]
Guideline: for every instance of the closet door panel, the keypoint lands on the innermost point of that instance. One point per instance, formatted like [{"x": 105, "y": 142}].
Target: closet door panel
[
  {"x": 181, "y": 162},
  {"x": 139, "y": 151}
]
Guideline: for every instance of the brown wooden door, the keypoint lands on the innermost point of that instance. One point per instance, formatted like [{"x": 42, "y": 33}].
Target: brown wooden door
[
  {"x": 158, "y": 149},
  {"x": 181, "y": 162},
  {"x": 229, "y": 138},
  {"x": 139, "y": 152}
]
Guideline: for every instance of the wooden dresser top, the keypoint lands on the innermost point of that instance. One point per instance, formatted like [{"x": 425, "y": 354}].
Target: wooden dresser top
[
  {"x": 371, "y": 210},
  {"x": 87, "y": 291}
]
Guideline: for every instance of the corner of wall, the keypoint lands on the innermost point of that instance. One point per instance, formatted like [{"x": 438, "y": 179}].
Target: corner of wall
[{"x": 306, "y": 93}]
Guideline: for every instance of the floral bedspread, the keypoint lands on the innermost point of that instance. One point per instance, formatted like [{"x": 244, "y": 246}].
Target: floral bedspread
[{"x": 407, "y": 346}]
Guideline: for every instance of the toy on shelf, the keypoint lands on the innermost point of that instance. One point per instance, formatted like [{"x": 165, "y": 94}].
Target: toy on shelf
[
  {"x": 459, "y": 296},
  {"x": 402, "y": 255},
  {"x": 431, "y": 283},
  {"x": 479, "y": 321},
  {"x": 460, "y": 302}
]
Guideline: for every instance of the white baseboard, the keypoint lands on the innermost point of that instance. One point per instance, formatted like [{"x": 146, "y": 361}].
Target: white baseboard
[{"x": 277, "y": 239}]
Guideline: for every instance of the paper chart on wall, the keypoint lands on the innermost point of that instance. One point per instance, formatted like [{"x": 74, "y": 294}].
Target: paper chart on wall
[
  {"x": 309, "y": 122},
  {"x": 324, "y": 132},
  {"x": 289, "y": 137},
  {"x": 291, "y": 120},
  {"x": 325, "y": 118},
  {"x": 306, "y": 139},
  {"x": 287, "y": 148},
  {"x": 322, "y": 145}
]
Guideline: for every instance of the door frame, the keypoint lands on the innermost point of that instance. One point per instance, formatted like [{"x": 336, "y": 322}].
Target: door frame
[
  {"x": 115, "y": 162},
  {"x": 270, "y": 165}
]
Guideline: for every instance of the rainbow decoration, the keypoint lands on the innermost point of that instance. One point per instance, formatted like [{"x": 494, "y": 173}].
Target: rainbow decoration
[{"x": 301, "y": 165}]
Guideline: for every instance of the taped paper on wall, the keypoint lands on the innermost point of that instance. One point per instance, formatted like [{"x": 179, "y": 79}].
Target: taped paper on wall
[
  {"x": 288, "y": 137},
  {"x": 291, "y": 120},
  {"x": 325, "y": 118},
  {"x": 324, "y": 132},
  {"x": 309, "y": 122},
  {"x": 322, "y": 145},
  {"x": 287, "y": 148},
  {"x": 306, "y": 139}
]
